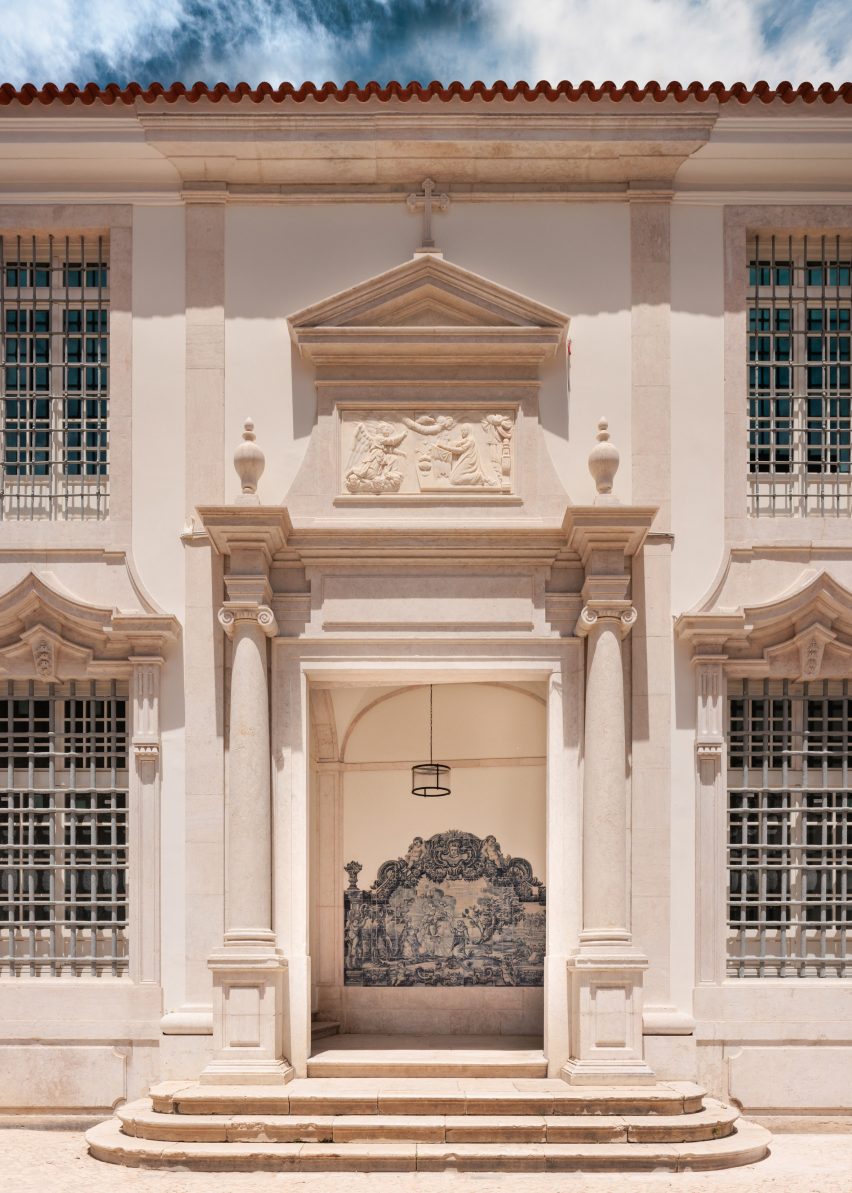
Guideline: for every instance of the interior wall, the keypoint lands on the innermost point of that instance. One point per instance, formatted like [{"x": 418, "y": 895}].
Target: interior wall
[{"x": 494, "y": 735}]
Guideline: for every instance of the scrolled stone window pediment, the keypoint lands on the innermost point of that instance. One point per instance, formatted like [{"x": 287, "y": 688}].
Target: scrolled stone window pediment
[{"x": 804, "y": 635}]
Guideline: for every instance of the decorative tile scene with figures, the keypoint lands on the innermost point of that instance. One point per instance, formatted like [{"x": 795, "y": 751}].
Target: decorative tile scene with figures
[{"x": 455, "y": 911}]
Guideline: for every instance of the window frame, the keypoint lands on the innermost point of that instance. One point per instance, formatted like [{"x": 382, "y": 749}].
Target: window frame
[
  {"x": 64, "y": 788},
  {"x": 54, "y": 424},
  {"x": 114, "y": 222},
  {"x": 740, "y": 223},
  {"x": 48, "y": 637},
  {"x": 779, "y": 801}
]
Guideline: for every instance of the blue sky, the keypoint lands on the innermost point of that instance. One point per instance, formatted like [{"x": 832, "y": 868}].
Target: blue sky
[{"x": 293, "y": 40}]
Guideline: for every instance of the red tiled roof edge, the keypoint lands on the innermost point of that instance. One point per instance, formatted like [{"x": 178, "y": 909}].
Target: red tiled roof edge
[{"x": 112, "y": 93}]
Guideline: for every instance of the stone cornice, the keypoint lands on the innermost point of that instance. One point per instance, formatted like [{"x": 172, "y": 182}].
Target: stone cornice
[
  {"x": 605, "y": 527},
  {"x": 246, "y": 527}
]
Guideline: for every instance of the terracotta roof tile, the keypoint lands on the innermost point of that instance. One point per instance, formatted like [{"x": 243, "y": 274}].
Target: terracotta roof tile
[{"x": 113, "y": 94}]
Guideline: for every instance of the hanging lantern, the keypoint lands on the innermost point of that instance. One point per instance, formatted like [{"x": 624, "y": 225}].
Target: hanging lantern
[{"x": 430, "y": 779}]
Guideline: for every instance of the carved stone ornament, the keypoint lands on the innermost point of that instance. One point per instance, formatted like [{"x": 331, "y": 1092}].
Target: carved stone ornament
[
  {"x": 234, "y": 612},
  {"x": 147, "y": 754},
  {"x": 406, "y": 451},
  {"x": 624, "y": 615},
  {"x": 44, "y": 658},
  {"x": 603, "y": 464},
  {"x": 249, "y": 462}
]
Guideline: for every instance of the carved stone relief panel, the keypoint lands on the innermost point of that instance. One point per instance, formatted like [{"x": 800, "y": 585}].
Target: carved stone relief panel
[
  {"x": 407, "y": 450},
  {"x": 455, "y": 911}
]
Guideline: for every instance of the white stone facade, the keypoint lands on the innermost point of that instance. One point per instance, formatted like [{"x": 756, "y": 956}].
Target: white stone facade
[{"x": 424, "y": 513}]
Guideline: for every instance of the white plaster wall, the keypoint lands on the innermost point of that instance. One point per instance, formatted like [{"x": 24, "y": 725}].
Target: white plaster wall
[
  {"x": 574, "y": 257},
  {"x": 158, "y": 455}
]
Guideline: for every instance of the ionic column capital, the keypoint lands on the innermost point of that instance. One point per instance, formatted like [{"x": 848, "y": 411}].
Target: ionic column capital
[
  {"x": 235, "y": 611},
  {"x": 599, "y": 614}
]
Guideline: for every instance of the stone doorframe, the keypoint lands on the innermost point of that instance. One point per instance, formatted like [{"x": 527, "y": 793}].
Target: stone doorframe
[
  {"x": 593, "y": 971},
  {"x": 298, "y": 666}
]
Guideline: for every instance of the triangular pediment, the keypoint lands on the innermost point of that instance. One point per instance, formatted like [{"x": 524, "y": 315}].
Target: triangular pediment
[{"x": 427, "y": 292}]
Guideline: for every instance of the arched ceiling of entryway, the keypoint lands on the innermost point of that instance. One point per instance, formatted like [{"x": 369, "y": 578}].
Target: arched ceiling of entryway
[{"x": 471, "y": 721}]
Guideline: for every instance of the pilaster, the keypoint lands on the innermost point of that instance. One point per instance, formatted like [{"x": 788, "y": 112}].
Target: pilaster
[
  {"x": 145, "y": 837},
  {"x": 203, "y": 645},
  {"x": 709, "y": 665}
]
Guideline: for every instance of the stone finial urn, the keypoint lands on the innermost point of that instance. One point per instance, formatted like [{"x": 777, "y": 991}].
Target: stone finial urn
[
  {"x": 249, "y": 461},
  {"x": 603, "y": 464}
]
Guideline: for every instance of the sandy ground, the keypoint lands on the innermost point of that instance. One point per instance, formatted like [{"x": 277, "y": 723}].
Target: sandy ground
[{"x": 56, "y": 1160}]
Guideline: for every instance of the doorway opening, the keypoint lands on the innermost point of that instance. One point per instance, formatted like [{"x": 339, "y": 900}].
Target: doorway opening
[{"x": 428, "y": 916}]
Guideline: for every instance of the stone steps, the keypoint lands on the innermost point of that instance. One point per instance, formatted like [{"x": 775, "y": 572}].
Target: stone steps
[
  {"x": 442, "y": 1096},
  {"x": 355, "y": 1057},
  {"x": 399, "y": 1124},
  {"x": 138, "y": 1118},
  {"x": 322, "y": 1028},
  {"x": 745, "y": 1146}
]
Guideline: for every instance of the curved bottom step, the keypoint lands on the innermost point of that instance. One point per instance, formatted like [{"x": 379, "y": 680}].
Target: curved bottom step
[{"x": 746, "y": 1145}]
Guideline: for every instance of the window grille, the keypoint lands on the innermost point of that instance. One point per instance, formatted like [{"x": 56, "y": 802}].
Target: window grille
[
  {"x": 63, "y": 829},
  {"x": 789, "y": 829},
  {"x": 799, "y": 337},
  {"x": 54, "y": 377}
]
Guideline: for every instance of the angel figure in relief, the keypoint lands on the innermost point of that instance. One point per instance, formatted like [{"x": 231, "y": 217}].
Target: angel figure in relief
[
  {"x": 372, "y": 466},
  {"x": 469, "y": 469}
]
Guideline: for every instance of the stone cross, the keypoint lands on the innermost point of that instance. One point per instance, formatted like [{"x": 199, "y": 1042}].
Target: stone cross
[{"x": 426, "y": 200}]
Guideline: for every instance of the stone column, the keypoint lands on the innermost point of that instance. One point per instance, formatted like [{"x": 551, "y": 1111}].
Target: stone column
[
  {"x": 606, "y": 970},
  {"x": 249, "y": 970},
  {"x": 248, "y": 883},
  {"x": 605, "y": 909}
]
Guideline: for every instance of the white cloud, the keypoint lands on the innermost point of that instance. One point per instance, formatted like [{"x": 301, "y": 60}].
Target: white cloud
[
  {"x": 62, "y": 40},
  {"x": 707, "y": 40},
  {"x": 49, "y": 40}
]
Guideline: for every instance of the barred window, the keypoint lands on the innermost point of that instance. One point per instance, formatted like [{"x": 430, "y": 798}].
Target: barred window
[
  {"x": 800, "y": 387},
  {"x": 54, "y": 377},
  {"x": 789, "y": 829},
  {"x": 63, "y": 829}
]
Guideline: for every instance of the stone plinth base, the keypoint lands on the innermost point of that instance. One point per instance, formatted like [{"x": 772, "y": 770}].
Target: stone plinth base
[
  {"x": 605, "y": 983},
  {"x": 249, "y": 1011}
]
